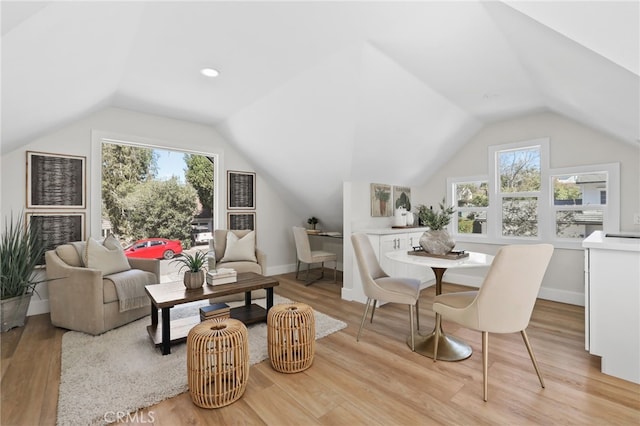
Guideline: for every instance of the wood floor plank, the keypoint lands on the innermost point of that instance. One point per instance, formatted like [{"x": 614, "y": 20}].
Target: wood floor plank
[{"x": 377, "y": 381}]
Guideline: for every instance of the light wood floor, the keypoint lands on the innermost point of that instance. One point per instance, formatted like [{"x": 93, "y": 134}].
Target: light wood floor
[{"x": 377, "y": 381}]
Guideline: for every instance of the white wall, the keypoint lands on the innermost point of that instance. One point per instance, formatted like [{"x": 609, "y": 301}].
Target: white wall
[
  {"x": 273, "y": 219},
  {"x": 571, "y": 144},
  {"x": 357, "y": 217}
]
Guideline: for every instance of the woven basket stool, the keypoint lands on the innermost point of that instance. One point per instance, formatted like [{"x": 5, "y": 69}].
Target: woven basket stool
[
  {"x": 217, "y": 362},
  {"x": 291, "y": 337}
]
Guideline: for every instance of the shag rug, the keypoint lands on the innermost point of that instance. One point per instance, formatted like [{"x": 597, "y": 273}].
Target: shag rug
[{"x": 121, "y": 371}]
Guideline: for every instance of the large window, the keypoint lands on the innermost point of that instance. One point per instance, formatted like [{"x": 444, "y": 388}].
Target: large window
[
  {"x": 522, "y": 199},
  {"x": 144, "y": 190}
]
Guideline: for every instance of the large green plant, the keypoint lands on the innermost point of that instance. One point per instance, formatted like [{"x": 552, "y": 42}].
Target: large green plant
[
  {"x": 435, "y": 220},
  {"x": 20, "y": 252}
]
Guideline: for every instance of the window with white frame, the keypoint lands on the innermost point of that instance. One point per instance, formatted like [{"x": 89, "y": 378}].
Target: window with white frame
[
  {"x": 518, "y": 189},
  {"x": 523, "y": 199},
  {"x": 471, "y": 199},
  {"x": 581, "y": 200}
]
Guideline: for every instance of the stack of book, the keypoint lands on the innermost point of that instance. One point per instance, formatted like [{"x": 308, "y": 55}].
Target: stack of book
[
  {"x": 222, "y": 276},
  {"x": 217, "y": 310}
]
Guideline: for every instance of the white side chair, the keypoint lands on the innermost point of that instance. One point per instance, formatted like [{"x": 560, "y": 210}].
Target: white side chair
[
  {"x": 377, "y": 285},
  {"x": 504, "y": 302},
  {"x": 308, "y": 256}
]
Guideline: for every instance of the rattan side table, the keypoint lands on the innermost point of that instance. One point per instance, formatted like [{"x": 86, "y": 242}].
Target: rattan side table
[
  {"x": 291, "y": 337},
  {"x": 217, "y": 362}
]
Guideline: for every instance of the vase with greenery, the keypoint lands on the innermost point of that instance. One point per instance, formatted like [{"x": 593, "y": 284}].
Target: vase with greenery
[
  {"x": 195, "y": 265},
  {"x": 20, "y": 252},
  {"x": 437, "y": 239}
]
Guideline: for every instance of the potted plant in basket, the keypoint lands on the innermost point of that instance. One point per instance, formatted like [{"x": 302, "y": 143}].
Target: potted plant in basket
[
  {"x": 20, "y": 252},
  {"x": 195, "y": 265},
  {"x": 437, "y": 239}
]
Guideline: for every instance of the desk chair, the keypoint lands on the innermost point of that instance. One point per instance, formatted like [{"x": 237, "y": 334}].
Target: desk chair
[
  {"x": 504, "y": 302},
  {"x": 377, "y": 285},
  {"x": 308, "y": 256}
]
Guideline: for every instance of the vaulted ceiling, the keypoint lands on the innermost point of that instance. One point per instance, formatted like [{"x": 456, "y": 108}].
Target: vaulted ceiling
[{"x": 315, "y": 93}]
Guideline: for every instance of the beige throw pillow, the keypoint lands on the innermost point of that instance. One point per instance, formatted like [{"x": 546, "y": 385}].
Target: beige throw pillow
[
  {"x": 107, "y": 257},
  {"x": 240, "y": 249},
  {"x": 69, "y": 255}
]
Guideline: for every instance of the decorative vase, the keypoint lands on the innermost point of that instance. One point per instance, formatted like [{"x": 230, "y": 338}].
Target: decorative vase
[
  {"x": 437, "y": 242},
  {"x": 410, "y": 219},
  {"x": 14, "y": 311},
  {"x": 193, "y": 280},
  {"x": 400, "y": 218}
]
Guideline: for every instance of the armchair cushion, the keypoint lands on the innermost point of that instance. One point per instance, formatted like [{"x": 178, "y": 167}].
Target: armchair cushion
[
  {"x": 107, "y": 257},
  {"x": 240, "y": 249}
]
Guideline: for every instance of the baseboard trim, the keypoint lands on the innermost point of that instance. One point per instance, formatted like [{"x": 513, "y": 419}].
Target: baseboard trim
[{"x": 553, "y": 294}]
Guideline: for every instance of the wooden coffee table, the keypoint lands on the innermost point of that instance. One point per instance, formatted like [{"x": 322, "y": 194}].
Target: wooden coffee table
[{"x": 166, "y": 296}]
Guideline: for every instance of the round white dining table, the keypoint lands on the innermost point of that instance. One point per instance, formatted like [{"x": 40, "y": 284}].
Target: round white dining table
[{"x": 450, "y": 348}]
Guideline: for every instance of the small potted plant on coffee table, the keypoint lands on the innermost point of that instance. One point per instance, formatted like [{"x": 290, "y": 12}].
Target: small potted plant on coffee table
[{"x": 195, "y": 265}]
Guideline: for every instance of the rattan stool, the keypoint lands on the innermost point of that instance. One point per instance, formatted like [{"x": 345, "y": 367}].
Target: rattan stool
[
  {"x": 291, "y": 337},
  {"x": 217, "y": 362}
]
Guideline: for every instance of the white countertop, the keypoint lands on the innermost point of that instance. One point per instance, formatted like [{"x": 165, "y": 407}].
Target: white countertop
[
  {"x": 387, "y": 231},
  {"x": 598, "y": 240}
]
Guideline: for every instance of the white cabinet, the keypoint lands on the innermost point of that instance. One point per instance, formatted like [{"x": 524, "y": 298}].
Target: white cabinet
[
  {"x": 399, "y": 239},
  {"x": 612, "y": 304}
]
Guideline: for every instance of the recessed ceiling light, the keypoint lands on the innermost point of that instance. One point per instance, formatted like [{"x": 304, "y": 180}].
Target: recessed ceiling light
[{"x": 209, "y": 72}]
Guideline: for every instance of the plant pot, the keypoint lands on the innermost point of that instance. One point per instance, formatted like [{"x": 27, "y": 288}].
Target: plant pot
[
  {"x": 14, "y": 311},
  {"x": 437, "y": 242},
  {"x": 193, "y": 280}
]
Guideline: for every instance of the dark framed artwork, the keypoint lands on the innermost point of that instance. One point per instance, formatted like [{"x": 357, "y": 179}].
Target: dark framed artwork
[
  {"x": 56, "y": 228},
  {"x": 55, "y": 181},
  {"x": 402, "y": 197},
  {"x": 241, "y": 220},
  {"x": 241, "y": 190}
]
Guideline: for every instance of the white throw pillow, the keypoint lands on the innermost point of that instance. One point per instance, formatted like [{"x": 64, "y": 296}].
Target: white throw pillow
[
  {"x": 240, "y": 249},
  {"x": 107, "y": 257}
]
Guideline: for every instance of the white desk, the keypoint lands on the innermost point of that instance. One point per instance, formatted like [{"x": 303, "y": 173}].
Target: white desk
[{"x": 449, "y": 348}]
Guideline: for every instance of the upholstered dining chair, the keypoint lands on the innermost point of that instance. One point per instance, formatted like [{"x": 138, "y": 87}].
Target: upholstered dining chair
[
  {"x": 504, "y": 302},
  {"x": 378, "y": 285},
  {"x": 308, "y": 256}
]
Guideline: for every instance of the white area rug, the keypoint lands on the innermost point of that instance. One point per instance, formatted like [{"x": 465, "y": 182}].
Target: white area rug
[{"x": 121, "y": 371}]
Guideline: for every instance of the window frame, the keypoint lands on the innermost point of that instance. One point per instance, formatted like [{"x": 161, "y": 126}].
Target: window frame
[
  {"x": 451, "y": 200},
  {"x": 98, "y": 137},
  {"x": 611, "y": 210},
  {"x": 546, "y": 208},
  {"x": 494, "y": 228}
]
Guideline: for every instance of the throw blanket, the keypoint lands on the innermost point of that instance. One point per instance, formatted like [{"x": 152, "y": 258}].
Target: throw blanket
[{"x": 130, "y": 288}]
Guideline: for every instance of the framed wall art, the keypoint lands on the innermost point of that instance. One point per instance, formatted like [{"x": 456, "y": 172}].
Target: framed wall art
[
  {"x": 241, "y": 220},
  {"x": 241, "y": 190},
  {"x": 57, "y": 228},
  {"x": 402, "y": 197},
  {"x": 55, "y": 181},
  {"x": 381, "y": 203}
]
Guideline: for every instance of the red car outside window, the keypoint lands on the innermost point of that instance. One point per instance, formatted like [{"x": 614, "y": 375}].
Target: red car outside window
[{"x": 154, "y": 248}]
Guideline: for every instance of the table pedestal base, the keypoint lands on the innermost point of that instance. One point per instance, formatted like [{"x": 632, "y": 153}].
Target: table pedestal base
[{"x": 449, "y": 348}]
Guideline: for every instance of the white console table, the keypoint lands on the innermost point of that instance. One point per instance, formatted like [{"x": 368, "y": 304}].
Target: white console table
[{"x": 612, "y": 303}]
